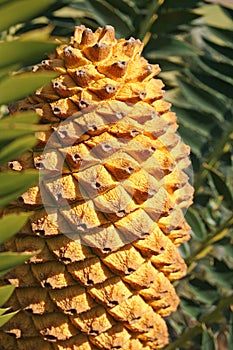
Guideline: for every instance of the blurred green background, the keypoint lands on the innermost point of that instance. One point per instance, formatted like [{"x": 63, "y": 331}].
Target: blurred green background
[{"x": 192, "y": 42}]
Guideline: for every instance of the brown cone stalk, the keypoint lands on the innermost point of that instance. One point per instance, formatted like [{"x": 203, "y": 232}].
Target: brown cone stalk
[{"x": 109, "y": 209}]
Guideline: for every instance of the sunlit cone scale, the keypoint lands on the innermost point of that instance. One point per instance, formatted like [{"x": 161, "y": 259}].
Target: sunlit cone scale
[{"x": 108, "y": 213}]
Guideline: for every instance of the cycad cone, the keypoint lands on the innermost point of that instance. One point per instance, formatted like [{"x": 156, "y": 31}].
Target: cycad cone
[{"x": 114, "y": 176}]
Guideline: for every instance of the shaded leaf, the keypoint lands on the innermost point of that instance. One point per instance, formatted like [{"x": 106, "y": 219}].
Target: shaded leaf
[
  {"x": 16, "y": 148},
  {"x": 20, "y": 85},
  {"x": 179, "y": 4},
  {"x": 5, "y": 318},
  {"x": 11, "y": 224},
  {"x": 190, "y": 308},
  {"x": 224, "y": 51},
  {"x": 197, "y": 225},
  {"x": 12, "y": 185},
  {"x": 107, "y": 14},
  {"x": 224, "y": 34},
  {"x": 24, "y": 52},
  {"x": 5, "y": 293},
  {"x": 214, "y": 83},
  {"x": 203, "y": 291},
  {"x": 219, "y": 274},
  {"x": 12, "y": 127},
  {"x": 126, "y": 6},
  {"x": 2, "y": 311},
  {"x": 22, "y": 117},
  {"x": 168, "y": 46},
  {"x": 171, "y": 20},
  {"x": 20, "y": 11},
  {"x": 222, "y": 69},
  {"x": 221, "y": 186},
  {"x": 208, "y": 341},
  {"x": 9, "y": 260},
  {"x": 202, "y": 100}
]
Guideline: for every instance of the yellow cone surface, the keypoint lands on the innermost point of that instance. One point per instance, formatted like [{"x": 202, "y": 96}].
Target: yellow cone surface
[{"x": 108, "y": 212}]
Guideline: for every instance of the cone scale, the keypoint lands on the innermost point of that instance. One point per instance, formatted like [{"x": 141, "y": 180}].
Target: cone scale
[{"x": 109, "y": 209}]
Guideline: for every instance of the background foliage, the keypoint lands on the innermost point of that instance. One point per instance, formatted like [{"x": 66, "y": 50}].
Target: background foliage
[{"x": 192, "y": 42}]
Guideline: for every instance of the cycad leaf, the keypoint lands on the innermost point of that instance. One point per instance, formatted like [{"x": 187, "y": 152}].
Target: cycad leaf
[
  {"x": 198, "y": 227},
  {"x": 16, "y": 148},
  {"x": 126, "y": 6},
  {"x": 9, "y": 260},
  {"x": 5, "y": 318},
  {"x": 10, "y": 224},
  {"x": 173, "y": 20},
  {"x": 203, "y": 100},
  {"x": 208, "y": 342},
  {"x": 219, "y": 275},
  {"x": 221, "y": 186},
  {"x": 179, "y": 4},
  {"x": 222, "y": 69},
  {"x": 5, "y": 293},
  {"x": 214, "y": 84},
  {"x": 107, "y": 14},
  {"x": 168, "y": 46},
  {"x": 20, "y": 85},
  {"x": 190, "y": 308},
  {"x": 12, "y": 127},
  {"x": 12, "y": 185},
  {"x": 20, "y": 11},
  {"x": 223, "y": 34},
  {"x": 203, "y": 291},
  {"x": 23, "y": 52},
  {"x": 2, "y": 311},
  {"x": 224, "y": 52}
]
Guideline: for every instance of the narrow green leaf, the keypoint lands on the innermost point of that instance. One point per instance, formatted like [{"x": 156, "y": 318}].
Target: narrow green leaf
[
  {"x": 200, "y": 122},
  {"x": 226, "y": 53},
  {"x": 21, "y": 11},
  {"x": 202, "y": 99},
  {"x": 224, "y": 34},
  {"x": 179, "y": 4},
  {"x": 224, "y": 252},
  {"x": 107, "y": 14},
  {"x": 20, "y": 85},
  {"x": 126, "y": 6},
  {"x": 190, "y": 308},
  {"x": 3, "y": 272},
  {"x": 230, "y": 334},
  {"x": 208, "y": 341},
  {"x": 12, "y": 185},
  {"x": 221, "y": 186},
  {"x": 24, "y": 52},
  {"x": 10, "y": 259},
  {"x": 221, "y": 69},
  {"x": 27, "y": 117},
  {"x": 3, "y": 311},
  {"x": 10, "y": 130},
  {"x": 5, "y": 293},
  {"x": 170, "y": 47},
  {"x": 198, "y": 227},
  {"x": 203, "y": 291},
  {"x": 11, "y": 224},
  {"x": 16, "y": 148},
  {"x": 215, "y": 85},
  {"x": 5, "y": 318},
  {"x": 173, "y": 20},
  {"x": 219, "y": 275}
]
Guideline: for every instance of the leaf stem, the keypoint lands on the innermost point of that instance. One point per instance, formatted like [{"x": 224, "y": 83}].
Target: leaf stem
[
  {"x": 215, "y": 236},
  {"x": 149, "y": 20},
  {"x": 210, "y": 318},
  {"x": 214, "y": 157}
]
